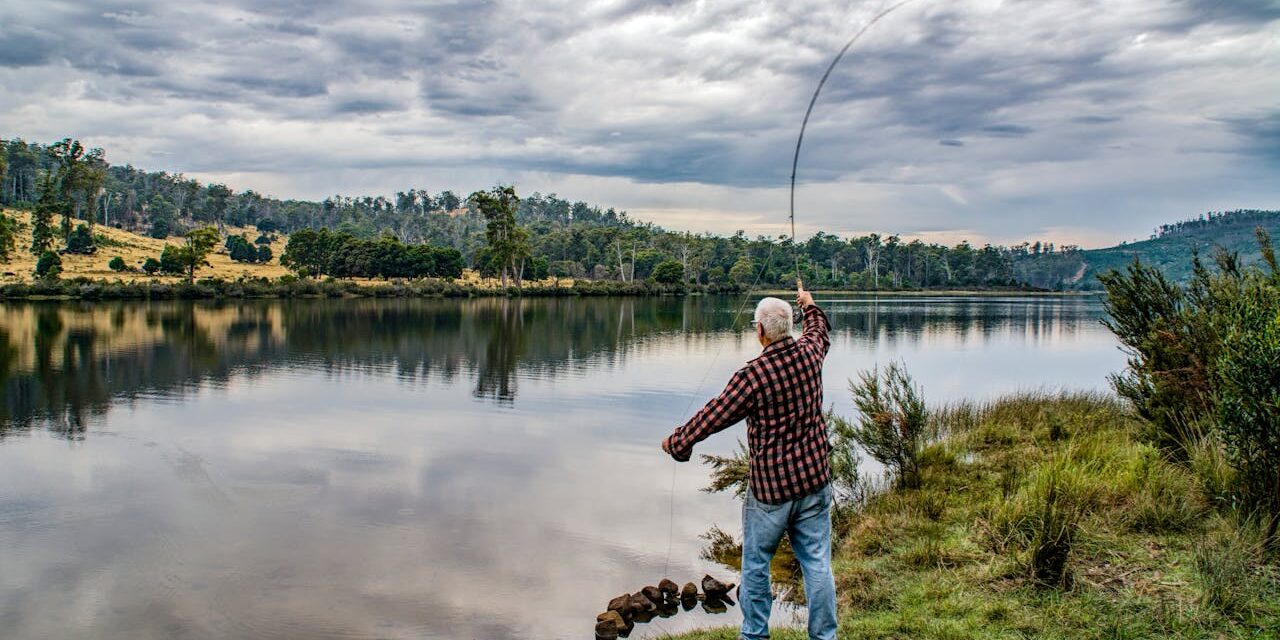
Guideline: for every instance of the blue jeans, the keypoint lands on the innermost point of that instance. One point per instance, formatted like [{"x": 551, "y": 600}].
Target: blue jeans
[{"x": 808, "y": 522}]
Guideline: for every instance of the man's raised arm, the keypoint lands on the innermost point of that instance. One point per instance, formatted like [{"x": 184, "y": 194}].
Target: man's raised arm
[
  {"x": 815, "y": 321},
  {"x": 722, "y": 412}
]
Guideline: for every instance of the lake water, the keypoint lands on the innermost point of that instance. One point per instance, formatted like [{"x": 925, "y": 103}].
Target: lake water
[{"x": 414, "y": 468}]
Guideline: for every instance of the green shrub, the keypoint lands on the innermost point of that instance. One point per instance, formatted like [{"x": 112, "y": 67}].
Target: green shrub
[
  {"x": 1166, "y": 336},
  {"x": 1208, "y": 353},
  {"x": 847, "y": 483},
  {"x": 81, "y": 241},
  {"x": 1248, "y": 404},
  {"x": 49, "y": 265},
  {"x": 117, "y": 264},
  {"x": 729, "y": 472},
  {"x": 161, "y": 228},
  {"x": 171, "y": 260},
  {"x": 151, "y": 266},
  {"x": 669, "y": 272},
  {"x": 240, "y": 250},
  {"x": 893, "y": 423}
]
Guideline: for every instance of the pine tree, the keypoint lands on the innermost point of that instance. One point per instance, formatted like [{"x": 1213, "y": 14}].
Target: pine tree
[
  {"x": 9, "y": 229},
  {"x": 42, "y": 233}
]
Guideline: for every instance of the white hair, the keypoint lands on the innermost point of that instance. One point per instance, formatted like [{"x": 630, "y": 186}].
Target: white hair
[{"x": 775, "y": 316}]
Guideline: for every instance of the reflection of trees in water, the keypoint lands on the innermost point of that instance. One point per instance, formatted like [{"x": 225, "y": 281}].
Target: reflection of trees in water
[
  {"x": 74, "y": 372},
  {"x": 908, "y": 321},
  {"x": 84, "y": 357}
]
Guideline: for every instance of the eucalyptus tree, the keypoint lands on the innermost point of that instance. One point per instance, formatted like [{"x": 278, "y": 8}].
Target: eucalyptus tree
[
  {"x": 508, "y": 242},
  {"x": 81, "y": 174},
  {"x": 192, "y": 254}
]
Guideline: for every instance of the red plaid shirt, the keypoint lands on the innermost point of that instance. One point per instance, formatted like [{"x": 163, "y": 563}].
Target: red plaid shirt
[{"x": 780, "y": 395}]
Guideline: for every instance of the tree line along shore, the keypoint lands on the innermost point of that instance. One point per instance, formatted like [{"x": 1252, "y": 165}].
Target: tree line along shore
[
  {"x": 241, "y": 262},
  {"x": 71, "y": 198}
]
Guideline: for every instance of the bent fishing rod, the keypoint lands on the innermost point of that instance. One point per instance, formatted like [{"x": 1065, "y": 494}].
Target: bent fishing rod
[{"x": 795, "y": 159}]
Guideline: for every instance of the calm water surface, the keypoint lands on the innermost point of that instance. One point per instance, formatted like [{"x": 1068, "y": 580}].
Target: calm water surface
[{"x": 412, "y": 469}]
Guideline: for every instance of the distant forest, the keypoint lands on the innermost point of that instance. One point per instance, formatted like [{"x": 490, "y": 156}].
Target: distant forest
[{"x": 564, "y": 238}]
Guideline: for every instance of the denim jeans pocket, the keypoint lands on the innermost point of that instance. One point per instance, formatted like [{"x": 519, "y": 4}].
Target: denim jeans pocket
[{"x": 753, "y": 503}]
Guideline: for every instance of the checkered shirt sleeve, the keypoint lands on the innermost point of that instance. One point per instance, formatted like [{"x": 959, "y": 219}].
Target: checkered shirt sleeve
[{"x": 780, "y": 396}]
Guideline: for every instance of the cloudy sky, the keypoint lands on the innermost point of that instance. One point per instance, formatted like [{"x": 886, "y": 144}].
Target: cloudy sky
[{"x": 1071, "y": 120}]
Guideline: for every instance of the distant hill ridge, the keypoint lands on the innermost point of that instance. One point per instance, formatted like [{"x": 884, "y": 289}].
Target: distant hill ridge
[{"x": 1170, "y": 249}]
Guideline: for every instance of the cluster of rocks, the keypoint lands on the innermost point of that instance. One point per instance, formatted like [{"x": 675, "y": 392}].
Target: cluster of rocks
[{"x": 664, "y": 600}]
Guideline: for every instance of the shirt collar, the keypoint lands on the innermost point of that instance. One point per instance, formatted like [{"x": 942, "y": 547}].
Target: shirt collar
[{"x": 781, "y": 344}]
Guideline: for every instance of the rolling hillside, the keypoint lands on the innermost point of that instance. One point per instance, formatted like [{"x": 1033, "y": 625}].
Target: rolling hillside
[{"x": 1170, "y": 250}]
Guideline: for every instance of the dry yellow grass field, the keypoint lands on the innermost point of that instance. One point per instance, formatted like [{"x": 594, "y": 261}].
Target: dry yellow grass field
[{"x": 134, "y": 249}]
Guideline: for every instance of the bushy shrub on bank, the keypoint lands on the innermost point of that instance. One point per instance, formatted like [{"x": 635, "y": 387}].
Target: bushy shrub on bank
[{"x": 1208, "y": 354}]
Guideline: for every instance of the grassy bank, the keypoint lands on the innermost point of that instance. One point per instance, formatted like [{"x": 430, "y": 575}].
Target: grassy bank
[{"x": 1152, "y": 546}]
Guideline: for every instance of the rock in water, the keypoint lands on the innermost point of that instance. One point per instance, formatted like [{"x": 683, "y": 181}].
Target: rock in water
[
  {"x": 653, "y": 594},
  {"x": 614, "y": 616},
  {"x": 668, "y": 608},
  {"x": 641, "y": 604},
  {"x": 621, "y": 604},
  {"x": 714, "y": 605},
  {"x": 607, "y": 629},
  {"x": 714, "y": 588},
  {"x": 668, "y": 588},
  {"x": 689, "y": 592}
]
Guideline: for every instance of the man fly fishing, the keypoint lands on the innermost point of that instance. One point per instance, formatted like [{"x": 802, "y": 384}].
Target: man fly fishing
[{"x": 779, "y": 393}]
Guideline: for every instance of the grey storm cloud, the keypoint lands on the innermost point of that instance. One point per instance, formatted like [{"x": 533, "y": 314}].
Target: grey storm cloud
[
  {"x": 977, "y": 115},
  {"x": 1260, "y": 135}
]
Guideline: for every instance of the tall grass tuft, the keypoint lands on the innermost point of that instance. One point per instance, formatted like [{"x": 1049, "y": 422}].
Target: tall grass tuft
[
  {"x": 1225, "y": 561},
  {"x": 1045, "y": 516},
  {"x": 1207, "y": 460},
  {"x": 1162, "y": 496}
]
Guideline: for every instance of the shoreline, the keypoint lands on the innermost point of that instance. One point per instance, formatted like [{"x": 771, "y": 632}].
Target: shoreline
[{"x": 83, "y": 288}]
